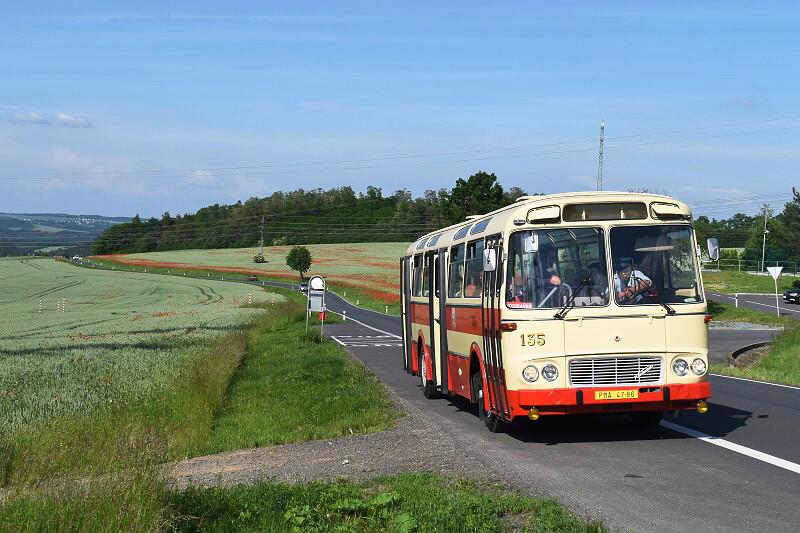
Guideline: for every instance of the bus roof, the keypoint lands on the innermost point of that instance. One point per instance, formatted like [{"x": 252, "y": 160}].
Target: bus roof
[{"x": 447, "y": 233}]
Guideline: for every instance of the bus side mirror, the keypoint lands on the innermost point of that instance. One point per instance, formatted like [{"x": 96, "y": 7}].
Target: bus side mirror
[
  {"x": 489, "y": 259},
  {"x": 713, "y": 248}
]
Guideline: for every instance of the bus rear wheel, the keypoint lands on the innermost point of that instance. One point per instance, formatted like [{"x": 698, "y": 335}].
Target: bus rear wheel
[
  {"x": 428, "y": 385},
  {"x": 492, "y": 422},
  {"x": 646, "y": 419}
]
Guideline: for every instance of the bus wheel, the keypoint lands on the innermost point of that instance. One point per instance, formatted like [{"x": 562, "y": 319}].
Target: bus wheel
[
  {"x": 646, "y": 419},
  {"x": 428, "y": 385},
  {"x": 494, "y": 424}
]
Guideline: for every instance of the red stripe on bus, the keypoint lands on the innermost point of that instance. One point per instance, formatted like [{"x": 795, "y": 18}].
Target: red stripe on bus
[
  {"x": 420, "y": 314},
  {"x": 467, "y": 319}
]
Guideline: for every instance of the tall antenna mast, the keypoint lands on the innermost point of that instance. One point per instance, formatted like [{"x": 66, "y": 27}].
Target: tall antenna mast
[
  {"x": 261, "y": 242},
  {"x": 600, "y": 158}
]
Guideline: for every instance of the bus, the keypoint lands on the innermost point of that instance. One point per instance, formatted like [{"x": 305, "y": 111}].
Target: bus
[{"x": 586, "y": 302}]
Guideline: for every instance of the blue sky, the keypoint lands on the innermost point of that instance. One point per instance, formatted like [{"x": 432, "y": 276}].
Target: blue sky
[{"x": 134, "y": 103}]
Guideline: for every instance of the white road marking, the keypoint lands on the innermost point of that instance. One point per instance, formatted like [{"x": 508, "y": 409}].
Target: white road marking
[
  {"x": 757, "y": 381},
  {"x": 366, "y": 341},
  {"x": 738, "y": 448},
  {"x": 368, "y": 326}
]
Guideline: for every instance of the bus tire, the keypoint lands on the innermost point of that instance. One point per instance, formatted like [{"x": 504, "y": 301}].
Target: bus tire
[
  {"x": 646, "y": 419},
  {"x": 492, "y": 422},
  {"x": 428, "y": 385}
]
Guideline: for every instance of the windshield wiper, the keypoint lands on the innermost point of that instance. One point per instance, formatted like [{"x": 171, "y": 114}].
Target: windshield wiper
[
  {"x": 564, "y": 309},
  {"x": 670, "y": 311}
]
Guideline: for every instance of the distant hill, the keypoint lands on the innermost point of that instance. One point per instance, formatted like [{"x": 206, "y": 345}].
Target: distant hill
[{"x": 51, "y": 233}]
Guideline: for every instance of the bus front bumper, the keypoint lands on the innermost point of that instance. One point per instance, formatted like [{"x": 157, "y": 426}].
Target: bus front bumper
[{"x": 591, "y": 400}]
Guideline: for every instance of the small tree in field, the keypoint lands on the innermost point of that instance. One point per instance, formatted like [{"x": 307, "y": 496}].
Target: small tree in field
[{"x": 299, "y": 258}]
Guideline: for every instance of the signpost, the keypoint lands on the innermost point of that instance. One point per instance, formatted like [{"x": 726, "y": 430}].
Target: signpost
[
  {"x": 316, "y": 299},
  {"x": 775, "y": 272}
]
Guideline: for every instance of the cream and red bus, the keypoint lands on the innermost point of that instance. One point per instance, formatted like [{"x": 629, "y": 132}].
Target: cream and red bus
[{"x": 562, "y": 304}]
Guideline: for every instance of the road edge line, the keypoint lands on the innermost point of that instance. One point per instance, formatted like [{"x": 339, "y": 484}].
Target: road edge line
[
  {"x": 732, "y": 446},
  {"x": 756, "y": 381}
]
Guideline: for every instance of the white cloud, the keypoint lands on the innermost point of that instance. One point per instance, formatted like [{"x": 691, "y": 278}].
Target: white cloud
[
  {"x": 61, "y": 118},
  {"x": 31, "y": 117},
  {"x": 71, "y": 121}
]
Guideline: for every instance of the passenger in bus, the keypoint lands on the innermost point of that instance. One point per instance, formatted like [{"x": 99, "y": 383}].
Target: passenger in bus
[
  {"x": 598, "y": 281},
  {"x": 473, "y": 287},
  {"x": 628, "y": 281}
]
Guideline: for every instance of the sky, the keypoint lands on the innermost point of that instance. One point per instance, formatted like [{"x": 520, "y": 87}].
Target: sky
[{"x": 158, "y": 106}]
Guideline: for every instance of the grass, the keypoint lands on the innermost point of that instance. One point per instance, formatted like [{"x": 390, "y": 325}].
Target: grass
[
  {"x": 100, "y": 471},
  {"x": 728, "y": 313},
  {"x": 295, "y": 387},
  {"x": 406, "y": 502},
  {"x": 731, "y": 282},
  {"x": 367, "y": 272},
  {"x": 781, "y": 364}
]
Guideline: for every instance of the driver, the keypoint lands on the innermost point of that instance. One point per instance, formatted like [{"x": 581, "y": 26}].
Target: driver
[{"x": 628, "y": 282}]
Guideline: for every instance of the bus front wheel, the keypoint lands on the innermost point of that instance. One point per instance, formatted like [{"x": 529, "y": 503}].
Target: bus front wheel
[
  {"x": 646, "y": 419},
  {"x": 493, "y": 423},
  {"x": 428, "y": 385}
]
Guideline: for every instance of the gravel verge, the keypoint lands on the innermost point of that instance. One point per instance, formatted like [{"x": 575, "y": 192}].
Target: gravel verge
[{"x": 416, "y": 444}]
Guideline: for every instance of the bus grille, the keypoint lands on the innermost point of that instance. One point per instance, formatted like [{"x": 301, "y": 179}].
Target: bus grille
[{"x": 615, "y": 371}]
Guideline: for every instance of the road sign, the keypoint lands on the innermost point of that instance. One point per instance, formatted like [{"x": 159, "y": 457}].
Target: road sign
[
  {"x": 316, "y": 298},
  {"x": 774, "y": 272}
]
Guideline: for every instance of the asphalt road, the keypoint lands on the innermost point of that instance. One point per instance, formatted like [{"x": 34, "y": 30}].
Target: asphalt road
[
  {"x": 760, "y": 302},
  {"x": 736, "y": 469}
]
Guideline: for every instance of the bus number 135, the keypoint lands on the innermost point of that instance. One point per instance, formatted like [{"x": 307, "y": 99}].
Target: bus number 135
[{"x": 533, "y": 339}]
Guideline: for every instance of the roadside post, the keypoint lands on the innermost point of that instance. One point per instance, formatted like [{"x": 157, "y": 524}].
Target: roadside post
[
  {"x": 775, "y": 272},
  {"x": 316, "y": 300}
]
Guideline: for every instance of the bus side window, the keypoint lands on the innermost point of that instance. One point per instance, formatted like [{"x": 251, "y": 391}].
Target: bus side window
[
  {"x": 455, "y": 282},
  {"x": 426, "y": 289},
  {"x": 416, "y": 287},
  {"x": 473, "y": 273}
]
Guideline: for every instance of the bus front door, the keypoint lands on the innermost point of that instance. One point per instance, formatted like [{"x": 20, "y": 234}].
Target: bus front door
[
  {"x": 492, "y": 345},
  {"x": 433, "y": 311},
  {"x": 440, "y": 293}
]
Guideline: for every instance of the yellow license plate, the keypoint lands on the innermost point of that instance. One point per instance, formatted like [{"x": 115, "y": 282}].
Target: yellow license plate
[{"x": 616, "y": 394}]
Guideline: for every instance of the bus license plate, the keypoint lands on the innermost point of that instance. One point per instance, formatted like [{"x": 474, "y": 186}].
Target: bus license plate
[{"x": 616, "y": 394}]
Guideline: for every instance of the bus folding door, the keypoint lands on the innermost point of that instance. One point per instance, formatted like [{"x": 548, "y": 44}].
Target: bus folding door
[
  {"x": 441, "y": 294},
  {"x": 405, "y": 306},
  {"x": 490, "y": 322}
]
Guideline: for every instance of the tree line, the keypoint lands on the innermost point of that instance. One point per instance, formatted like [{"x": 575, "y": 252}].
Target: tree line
[
  {"x": 746, "y": 233},
  {"x": 311, "y": 216}
]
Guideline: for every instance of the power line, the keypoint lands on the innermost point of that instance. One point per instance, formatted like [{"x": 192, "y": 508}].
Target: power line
[{"x": 139, "y": 174}]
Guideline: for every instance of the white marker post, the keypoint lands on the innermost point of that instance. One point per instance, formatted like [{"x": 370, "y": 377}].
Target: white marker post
[{"x": 775, "y": 272}]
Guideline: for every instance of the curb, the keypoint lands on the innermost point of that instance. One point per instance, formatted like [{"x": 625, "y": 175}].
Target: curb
[{"x": 740, "y": 351}]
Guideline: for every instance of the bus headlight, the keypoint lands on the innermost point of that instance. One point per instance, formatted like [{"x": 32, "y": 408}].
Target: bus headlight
[
  {"x": 549, "y": 372},
  {"x": 680, "y": 367},
  {"x": 699, "y": 366},
  {"x": 530, "y": 373}
]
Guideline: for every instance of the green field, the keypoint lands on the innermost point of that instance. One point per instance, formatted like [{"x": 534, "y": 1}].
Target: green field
[
  {"x": 730, "y": 282},
  {"x": 102, "y": 337},
  {"x": 368, "y": 272}
]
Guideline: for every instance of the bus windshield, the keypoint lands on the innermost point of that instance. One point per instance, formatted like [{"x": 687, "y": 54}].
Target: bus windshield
[
  {"x": 547, "y": 268},
  {"x": 654, "y": 265}
]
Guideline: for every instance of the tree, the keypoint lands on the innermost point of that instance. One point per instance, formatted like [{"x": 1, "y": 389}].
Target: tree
[
  {"x": 299, "y": 258},
  {"x": 478, "y": 194}
]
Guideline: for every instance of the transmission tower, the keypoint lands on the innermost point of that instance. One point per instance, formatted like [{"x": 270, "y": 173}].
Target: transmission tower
[
  {"x": 261, "y": 242},
  {"x": 600, "y": 158}
]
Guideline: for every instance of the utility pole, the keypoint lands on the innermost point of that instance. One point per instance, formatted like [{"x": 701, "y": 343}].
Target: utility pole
[
  {"x": 261, "y": 242},
  {"x": 600, "y": 159},
  {"x": 764, "y": 243}
]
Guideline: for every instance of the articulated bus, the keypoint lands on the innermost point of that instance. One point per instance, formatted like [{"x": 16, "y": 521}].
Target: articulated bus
[{"x": 563, "y": 304}]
